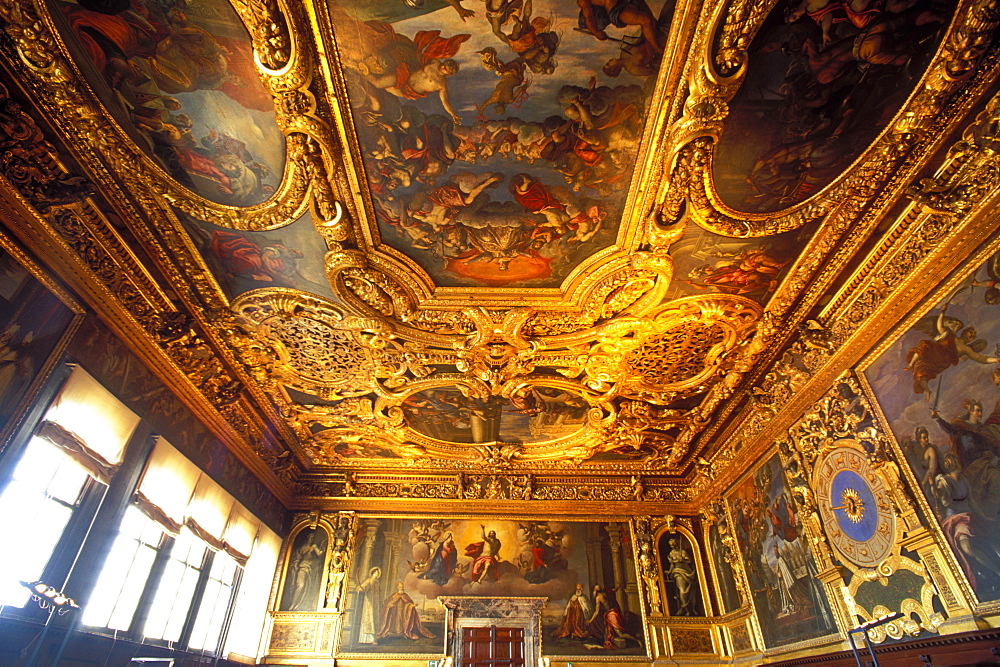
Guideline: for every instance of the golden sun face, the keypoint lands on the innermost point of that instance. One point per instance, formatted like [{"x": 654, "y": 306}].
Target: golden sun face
[{"x": 853, "y": 506}]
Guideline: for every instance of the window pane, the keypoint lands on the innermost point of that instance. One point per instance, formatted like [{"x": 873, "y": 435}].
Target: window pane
[
  {"x": 176, "y": 590},
  {"x": 214, "y": 604},
  {"x": 125, "y": 572},
  {"x": 32, "y": 519}
]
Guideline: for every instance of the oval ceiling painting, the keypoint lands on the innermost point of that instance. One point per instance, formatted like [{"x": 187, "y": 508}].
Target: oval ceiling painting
[
  {"x": 500, "y": 139},
  {"x": 541, "y": 414},
  {"x": 179, "y": 77},
  {"x": 824, "y": 77}
]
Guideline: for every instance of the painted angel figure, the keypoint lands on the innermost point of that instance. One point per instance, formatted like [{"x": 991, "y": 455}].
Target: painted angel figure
[
  {"x": 992, "y": 294},
  {"x": 951, "y": 344}
]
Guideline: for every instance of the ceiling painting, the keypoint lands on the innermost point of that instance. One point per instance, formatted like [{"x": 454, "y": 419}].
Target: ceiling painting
[
  {"x": 290, "y": 257},
  {"x": 706, "y": 263},
  {"x": 537, "y": 414},
  {"x": 500, "y": 140},
  {"x": 180, "y": 79},
  {"x": 504, "y": 233},
  {"x": 823, "y": 79}
]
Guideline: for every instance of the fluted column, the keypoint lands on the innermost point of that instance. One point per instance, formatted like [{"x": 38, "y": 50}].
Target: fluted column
[{"x": 615, "y": 535}]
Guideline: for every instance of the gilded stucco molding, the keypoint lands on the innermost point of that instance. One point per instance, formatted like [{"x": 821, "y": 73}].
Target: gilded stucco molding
[
  {"x": 491, "y": 483},
  {"x": 85, "y": 234},
  {"x": 716, "y": 514},
  {"x": 305, "y": 343}
]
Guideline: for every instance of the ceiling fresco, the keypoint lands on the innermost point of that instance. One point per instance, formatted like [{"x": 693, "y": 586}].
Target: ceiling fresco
[
  {"x": 180, "y": 78},
  {"x": 454, "y": 233},
  {"x": 823, "y": 79},
  {"x": 499, "y": 141},
  {"x": 291, "y": 256}
]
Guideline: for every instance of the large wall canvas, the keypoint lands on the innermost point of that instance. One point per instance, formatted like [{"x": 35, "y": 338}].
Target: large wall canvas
[
  {"x": 402, "y": 566},
  {"x": 500, "y": 140},
  {"x": 788, "y": 598},
  {"x": 823, "y": 79},
  {"x": 180, "y": 78},
  {"x": 939, "y": 387},
  {"x": 33, "y": 322}
]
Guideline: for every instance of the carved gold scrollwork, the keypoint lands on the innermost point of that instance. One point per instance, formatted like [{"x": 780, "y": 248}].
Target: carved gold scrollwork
[
  {"x": 676, "y": 347},
  {"x": 269, "y": 32},
  {"x": 742, "y": 18},
  {"x": 715, "y": 514}
]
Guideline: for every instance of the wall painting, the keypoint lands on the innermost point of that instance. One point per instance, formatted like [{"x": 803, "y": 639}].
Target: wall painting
[
  {"x": 823, "y": 79},
  {"x": 789, "y": 599},
  {"x": 409, "y": 563},
  {"x": 34, "y": 325},
  {"x": 304, "y": 571},
  {"x": 939, "y": 388},
  {"x": 180, "y": 79},
  {"x": 500, "y": 141}
]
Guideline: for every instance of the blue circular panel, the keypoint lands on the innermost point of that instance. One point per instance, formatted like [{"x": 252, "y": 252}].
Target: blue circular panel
[{"x": 854, "y": 505}]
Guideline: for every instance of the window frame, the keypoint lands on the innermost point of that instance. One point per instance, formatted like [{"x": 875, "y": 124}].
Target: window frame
[
  {"x": 60, "y": 560},
  {"x": 93, "y": 527},
  {"x": 136, "y": 628}
]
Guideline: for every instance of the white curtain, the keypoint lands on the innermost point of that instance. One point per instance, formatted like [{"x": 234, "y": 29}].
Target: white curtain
[
  {"x": 175, "y": 493},
  {"x": 89, "y": 424},
  {"x": 167, "y": 485}
]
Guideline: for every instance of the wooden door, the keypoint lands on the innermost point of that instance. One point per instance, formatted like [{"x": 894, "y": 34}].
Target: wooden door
[{"x": 493, "y": 647}]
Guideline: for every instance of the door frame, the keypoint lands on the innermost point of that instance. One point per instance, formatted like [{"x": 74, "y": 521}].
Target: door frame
[{"x": 506, "y": 612}]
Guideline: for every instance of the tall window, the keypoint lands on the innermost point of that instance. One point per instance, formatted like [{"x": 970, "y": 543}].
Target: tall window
[
  {"x": 125, "y": 572},
  {"x": 46, "y": 489},
  {"x": 215, "y": 603},
  {"x": 176, "y": 589},
  {"x": 174, "y": 569},
  {"x": 77, "y": 448},
  {"x": 177, "y": 584},
  {"x": 174, "y": 572}
]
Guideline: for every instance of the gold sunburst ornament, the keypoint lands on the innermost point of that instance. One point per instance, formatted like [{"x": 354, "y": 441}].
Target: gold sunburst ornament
[{"x": 853, "y": 506}]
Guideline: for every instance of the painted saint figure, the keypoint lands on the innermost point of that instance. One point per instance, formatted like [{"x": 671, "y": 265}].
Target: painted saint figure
[
  {"x": 366, "y": 590},
  {"x": 442, "y": 562},
  {"x": 574, "y": 621},
  {"x": 304, "y": 571},
  {"x": 685, "y": 579},
  {"x": 607, "y": 620}
]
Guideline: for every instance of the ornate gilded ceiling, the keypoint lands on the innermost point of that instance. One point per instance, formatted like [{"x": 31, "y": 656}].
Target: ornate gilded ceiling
[{"x": 522, "y": 233}]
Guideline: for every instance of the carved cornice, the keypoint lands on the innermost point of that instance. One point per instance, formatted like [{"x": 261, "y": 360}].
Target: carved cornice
[{"x": 106, "y": 271}]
